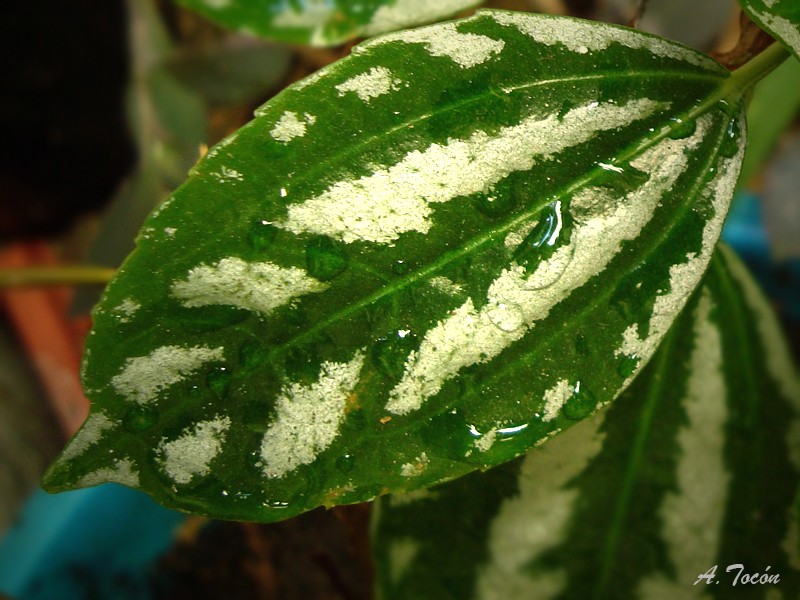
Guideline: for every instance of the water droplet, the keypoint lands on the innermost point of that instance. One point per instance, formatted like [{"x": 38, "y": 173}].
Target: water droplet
[
  {"x": 581, "y": 404},
  {"x": 730, "y": 141},
  {"x": 140, "y": 418},
  {"x": 553, "y": 228},
  {"x": 276, "y": 504},
  {"x": 261, "y": 235},
  {"x": 506, "y": 316},
  {"x": 682, "y": 129},
  {"x": 325, "y": 258},
  {"x": 390, "y": 353},
  {"x": 627, "y": 365},
  {"x": 400, "y": 267},
  {"x": 550, "y": 271},
  {"x": 496, "y": 203},
  {"x": 219, "y": 380},
  {"x": 621, "y": 180},
  {"x": 345, "y": 463}
]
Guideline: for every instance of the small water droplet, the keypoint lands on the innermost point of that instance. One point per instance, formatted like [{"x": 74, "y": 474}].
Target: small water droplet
[
  {"x": 390, "y": 353},
  {"x": 621, "y": 180},
  {"x": 261, "y": 235},
  {"x": 682, "y": 129},
  {"x": 401, "y": 267},
  {"x": 730, "y": 141},
  {"x": 325, "y": 258},
  {"x": 581, "y": 404},
  {"x": 496, "y": 203},
  {"x": 219, "y": 380},
  {"x": 506, "y": 317},
  {"x": 140, "y": 418},
  {"x": 627, "y": 365},
  {"x": 345, "y": 463}
]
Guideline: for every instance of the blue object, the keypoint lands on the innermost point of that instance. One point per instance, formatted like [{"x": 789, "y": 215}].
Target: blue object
[{"x": 100, "y": 542}]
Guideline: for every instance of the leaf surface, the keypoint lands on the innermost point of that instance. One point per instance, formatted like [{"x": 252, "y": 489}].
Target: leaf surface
[
  {"x": 695, "y": 465},
  {"x": 779, "y": 18},
  {"x": 324, "y": 22},
  {"x": 420, "y": 262}
]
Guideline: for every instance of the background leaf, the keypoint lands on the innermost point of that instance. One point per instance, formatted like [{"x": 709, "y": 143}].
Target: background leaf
[
  {"x": 695, "y": 465},
  {"x": 779, "y": 18},
  {"x": 471, "y": 233},
  {"x": 324, "y": 22}
]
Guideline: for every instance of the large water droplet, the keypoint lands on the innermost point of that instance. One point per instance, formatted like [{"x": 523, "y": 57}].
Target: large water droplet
[
  {"x": 552, "y": 270},
  {"x": 390, "y": 353},
  {"x": 621, "y": 180},
  {"x": 542, "y": 239},
  {"x": 682, "y": 129},
  {"x": 261, "y": 235},
  {"x": 506, "y": 316},
  {"x": 219, "y": 380},
  {"x": 401, "y": 267},
  {"x": 581, "y": 404},
  {"x": 325, "y": 258},
  {"x": 140, "y": 418},
  {"x": 730, "y": 141}
]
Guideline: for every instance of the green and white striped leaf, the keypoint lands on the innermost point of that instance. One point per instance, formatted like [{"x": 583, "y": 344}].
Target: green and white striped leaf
[
  {"x": 461, "y": 235},
  {"x": 695, "y": 465},
  {"x": 324, "y": 22},
  {"x": 779, "y": 18}
]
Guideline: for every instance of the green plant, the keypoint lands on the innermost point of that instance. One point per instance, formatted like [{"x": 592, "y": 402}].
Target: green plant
[{"x": 437, "y": 254}]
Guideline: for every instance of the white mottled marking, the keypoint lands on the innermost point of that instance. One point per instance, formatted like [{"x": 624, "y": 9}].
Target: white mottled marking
[
  {"x": 126, "y": 309},
  {"x": 313, "y": 15},
  {"x": 143, "y": 377},
  {"x": 308, "y": 418},
  {"x": 395, "y": 200},
  {"x": 693, "y": 514},
  {"x": 555, "y": 398},
  {"x": 88, "y": 435},
  {"x": 415, "y": 468},
  {"x": 191, "y": 454},
  {"x": 583, "y": 36},
  {"x": 123, "y": 472},
  {"x": 401, "y": 554},
  {"x": 783, "y": 29},
  {"x": 469, "y": 336},
  {"x": 446, "y": 285},
  {"x": 260, "y": 287},
  {"x": 227, "y": 175},
  {"x": 170, "y": 231},
  {"x": 465, "y": 49},
  {"x": 534, "y": 521},
  {"x": 684, "y": 277},
  {"x": 516, "y": 237},
  {"x": 377, "y": 82},
  {"x": 290, "y": 126}
]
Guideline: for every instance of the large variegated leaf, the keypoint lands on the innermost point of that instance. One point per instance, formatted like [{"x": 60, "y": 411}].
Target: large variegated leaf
[
  {"x": 780, "y": 18},
  {"x": 479, "y": 230},
  {"x": 324, "y": 22},
  {"x": 695, "y": 465}
]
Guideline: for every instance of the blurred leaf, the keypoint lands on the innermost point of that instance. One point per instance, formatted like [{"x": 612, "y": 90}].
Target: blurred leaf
[
  {"x": 779, "y": 18},
  {"x": 324, "y": 22},
  {"x": 695, "y": 465}
]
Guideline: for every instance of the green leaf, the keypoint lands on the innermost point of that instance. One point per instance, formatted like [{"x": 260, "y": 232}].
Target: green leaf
[
  {"x": 695, "y": 465},
  {"x": 324, "y": 22},
  {"x": 779, "y": 18},
  {"x": 471, "y": 233}
]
